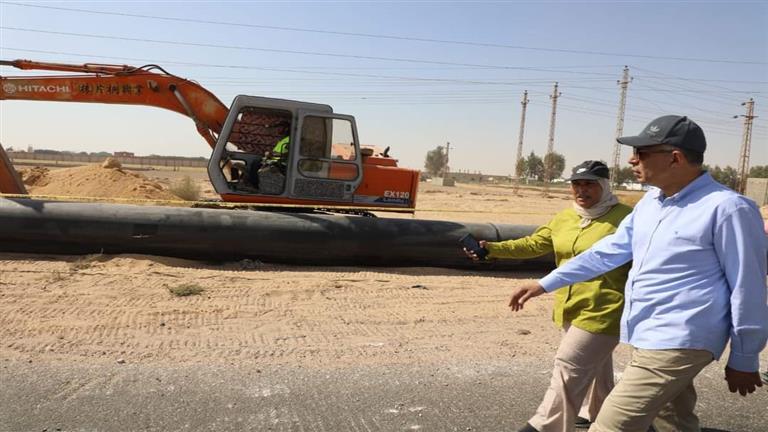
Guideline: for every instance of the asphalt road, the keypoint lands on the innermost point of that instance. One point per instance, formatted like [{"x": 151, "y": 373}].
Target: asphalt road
[{"x": 66, "y": 396}]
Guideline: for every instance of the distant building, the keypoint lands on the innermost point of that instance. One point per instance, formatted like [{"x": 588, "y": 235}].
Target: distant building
[
  {"x": 757, "y": 190},
  {"x": 476, "y": 177},
  {"x": 124, "y": 154},
  {"x": 634, "y": 186}
]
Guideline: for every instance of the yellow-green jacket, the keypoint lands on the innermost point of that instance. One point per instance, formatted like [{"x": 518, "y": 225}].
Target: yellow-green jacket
[
  {"x": 280, "y": 151},
  {"x": 594, "y": 305}
]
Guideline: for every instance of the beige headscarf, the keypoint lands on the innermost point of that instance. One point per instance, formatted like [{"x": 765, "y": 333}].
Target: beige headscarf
[{"x": 606, "y": 203}]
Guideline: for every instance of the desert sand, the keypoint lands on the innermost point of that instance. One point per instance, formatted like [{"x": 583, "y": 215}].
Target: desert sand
[{"x": 120, "y": 308}]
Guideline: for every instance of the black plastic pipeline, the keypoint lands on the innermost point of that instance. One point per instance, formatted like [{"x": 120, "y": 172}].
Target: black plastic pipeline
[{"x": 54, "y": 227}]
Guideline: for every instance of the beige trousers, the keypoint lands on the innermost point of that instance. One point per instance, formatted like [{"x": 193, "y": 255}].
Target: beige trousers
[
  {"x": 657, "y": 384},
  {"x": 582, "y": 377}
]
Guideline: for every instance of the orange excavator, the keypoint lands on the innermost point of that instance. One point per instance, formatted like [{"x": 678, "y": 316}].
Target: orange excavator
[{"x": 265, "y": 150}]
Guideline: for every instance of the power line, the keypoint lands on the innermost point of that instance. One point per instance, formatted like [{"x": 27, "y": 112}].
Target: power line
[
  {"x": 272, "y": 69},
  {"x": 695, "y": 107},
  {"x": 672, "y": 77},
  {"x": 390, "y": 37},
  {"x": 666, "y": 76},
  {"x": 283, "y": 51},
  {"x": 386, "y": 96},
  {"x": 606, "y": 116},
  {"x": 681, "y": 92},
  {"x": 585, "y": 109},
  {"x": 543, "y": 82},
  {"x": 437, "y": 98}
]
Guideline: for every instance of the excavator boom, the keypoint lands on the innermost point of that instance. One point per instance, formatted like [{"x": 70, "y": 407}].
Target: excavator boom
[{"x": 118, "y": 84}]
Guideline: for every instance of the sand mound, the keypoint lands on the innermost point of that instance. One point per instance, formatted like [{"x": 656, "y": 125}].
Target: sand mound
[
  {"x": 95, "y": 181},
  {"x": 111, "y": 162},
  {"x": 37, "y": 176}
]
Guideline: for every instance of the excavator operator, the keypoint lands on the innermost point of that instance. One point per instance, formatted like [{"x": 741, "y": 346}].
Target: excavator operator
[
  {"x": 278, "y": 157},
  {"x": 280, "y": 151},
  {"x": 272, "y": 171}
]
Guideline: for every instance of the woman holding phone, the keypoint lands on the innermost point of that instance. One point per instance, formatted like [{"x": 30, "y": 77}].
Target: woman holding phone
[{"x": 588, "y": 312}]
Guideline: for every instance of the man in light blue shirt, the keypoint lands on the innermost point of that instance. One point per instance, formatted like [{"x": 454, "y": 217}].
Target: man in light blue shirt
[{"x": 697, "y": 280}]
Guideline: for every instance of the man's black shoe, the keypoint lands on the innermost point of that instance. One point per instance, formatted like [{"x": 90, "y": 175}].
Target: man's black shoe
[
  {"x": 582, "y": 423},
  {"x": 528, "y": 428}
]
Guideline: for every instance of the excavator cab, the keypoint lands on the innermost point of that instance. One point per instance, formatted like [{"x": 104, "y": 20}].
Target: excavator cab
[{"x": 322, "y": 162}]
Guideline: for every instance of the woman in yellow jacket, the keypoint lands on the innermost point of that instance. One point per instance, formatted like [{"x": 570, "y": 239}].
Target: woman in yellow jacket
[{"x": 588, "y": 312}]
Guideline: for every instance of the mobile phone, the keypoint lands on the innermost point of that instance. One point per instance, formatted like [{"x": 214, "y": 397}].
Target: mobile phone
[{"x": 471, "y": 244}]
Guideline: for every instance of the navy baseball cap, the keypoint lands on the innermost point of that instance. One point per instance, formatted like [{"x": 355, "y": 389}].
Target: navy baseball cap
[
  {"x": 678, "y": 131},
  {"x": 590, "y": 170}
]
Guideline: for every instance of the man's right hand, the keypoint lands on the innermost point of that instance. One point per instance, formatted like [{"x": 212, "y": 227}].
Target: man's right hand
[
  {"x": 523, "y": 293},
  {"x": 743, "y": 382}
]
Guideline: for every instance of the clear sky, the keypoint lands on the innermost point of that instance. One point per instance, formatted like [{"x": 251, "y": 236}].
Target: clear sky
[{"x": 415, "y": 74}]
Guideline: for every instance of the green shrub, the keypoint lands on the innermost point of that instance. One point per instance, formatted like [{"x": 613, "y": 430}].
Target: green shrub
[
  {"x": 186, "y": 189},
  {"x": 184, "y": 290},
  {"x": 84, "y": 262}
]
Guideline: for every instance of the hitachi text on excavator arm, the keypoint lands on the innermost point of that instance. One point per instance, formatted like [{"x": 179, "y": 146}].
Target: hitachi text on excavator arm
[{"x": 115, "y": 84}]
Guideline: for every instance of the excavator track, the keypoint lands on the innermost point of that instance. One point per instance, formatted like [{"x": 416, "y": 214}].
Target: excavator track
[{"x": 351, "y": 211}]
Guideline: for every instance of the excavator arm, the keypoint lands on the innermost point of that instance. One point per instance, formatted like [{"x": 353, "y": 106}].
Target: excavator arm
[
  {"x": 111, "y": 84},
  {"x": 118, "y": 84}
]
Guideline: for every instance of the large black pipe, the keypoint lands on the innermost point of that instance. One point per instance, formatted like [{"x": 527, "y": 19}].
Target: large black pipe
[{"x": 38, "y": 226}]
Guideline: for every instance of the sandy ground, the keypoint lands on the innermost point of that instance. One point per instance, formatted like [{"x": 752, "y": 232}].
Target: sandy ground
[
  {"x": 118, "y": 310},
  {"x": 109, "y": 308}
]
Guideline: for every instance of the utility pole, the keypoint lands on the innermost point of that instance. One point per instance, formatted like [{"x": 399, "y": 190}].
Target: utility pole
[
  {"x": 551, "y": 143},
  {"x": 746, "y": 144},
  {"x": 624, "y": 83},
  {"x": 518, "y": 163},
  {"x": 447, "y": 153}
]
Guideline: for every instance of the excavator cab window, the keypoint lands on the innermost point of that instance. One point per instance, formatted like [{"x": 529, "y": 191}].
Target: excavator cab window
[
  {"x": 327, "y": 149},
  {"x": 252, "y": 160}
]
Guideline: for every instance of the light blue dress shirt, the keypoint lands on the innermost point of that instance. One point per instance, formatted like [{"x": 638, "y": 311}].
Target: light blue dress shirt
[{"x": 698, "y": 274}]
